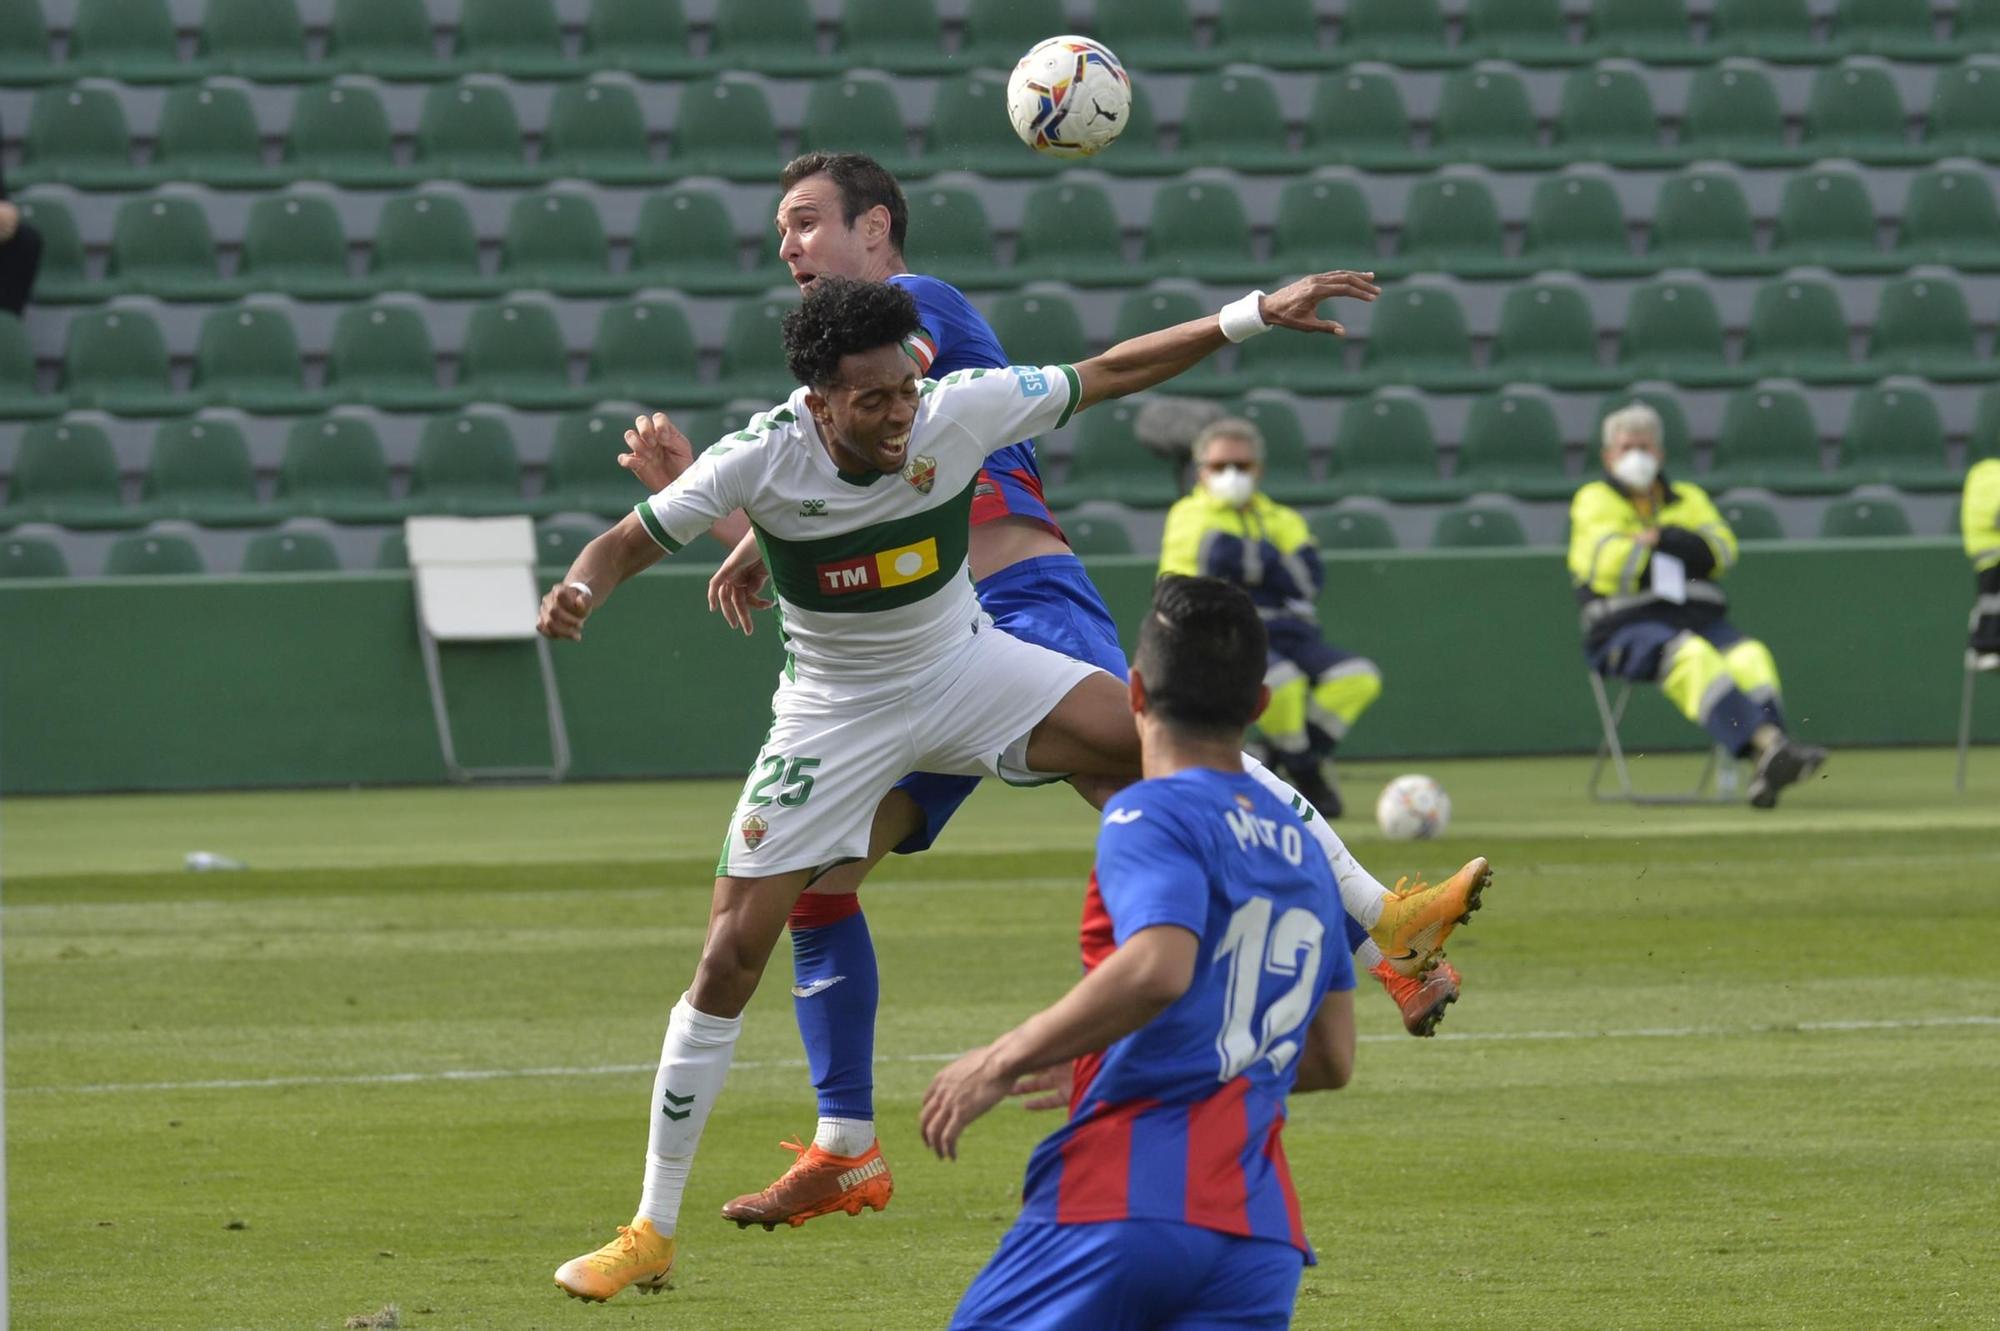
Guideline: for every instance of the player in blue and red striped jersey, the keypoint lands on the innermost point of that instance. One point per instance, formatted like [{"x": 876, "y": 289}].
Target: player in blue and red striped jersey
[{"x": 1217, "y": 982}]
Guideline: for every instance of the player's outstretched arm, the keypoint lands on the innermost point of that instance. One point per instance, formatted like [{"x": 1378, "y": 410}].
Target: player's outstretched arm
[
  {"x": 600, "y": 566},
  {"x": 657, "y": 452},
  {"x": 1153, "y": 358},
  {"x": 1328, "y": 1061}
]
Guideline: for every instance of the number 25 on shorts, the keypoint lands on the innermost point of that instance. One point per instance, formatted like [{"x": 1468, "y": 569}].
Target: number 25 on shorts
[{"x": 792, "y": 779}]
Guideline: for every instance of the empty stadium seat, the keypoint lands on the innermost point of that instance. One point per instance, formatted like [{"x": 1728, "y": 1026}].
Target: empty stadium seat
[
  {"x": 1702, "y": 220},
  {"x": 1069, "y": 233},
  {"x": 20, "y": 397},
  {"x": 724, "y": 128},
  {"x": 1147, "y": 311},
  {"x": 1358, "y": 117},
  {"x": 1733, "y": 112},
  {"x": 557, "y": 544},
  {"x": 1303, "y": 364},
  {"x": 1198, "y": 230},
  {"x": 1452, "y": 224},
  {"x": 1799, "y": 331},
  {"x": 583, "y": 474},
  {"x": 902, "y": 35},
  {"x": 596, "y": 130},
  {"x": 950, "y": 236},
  {"x": 1398, "y": 32},
  {"x": 1767, "y": 438},
  {"x": 1575, "y": 221},
  {"x": 77, "y": 135},
  {"x": 382, "y": 355},
  {"x": 555, "y": 241},
  {"x": 1855, "y": 111},
  {"x": 1965, "y": 108},
  {"x": 684, "y": 239},
  {"x": 644, "y": 37},
  {"x": 1767, "y": 29},
  {"x": 1512, "y": 445},
  {"x": 1477, "y": 528},
  {"x": 200, "y": 471},
  {"x": 24, "y": 47},
  {"x": 1985, "y": 440},
  {"x": 248, "y": 357},
  {"x": 1923, "y": 327},
  {"x": 255, "y": 39},
  {"x": 469, "y": 131},
  {"x": 1418, "y": 336},
  {"x": 1322, "y": 224},
  {"x": 1096, "y": 536},
  {"x": 1977, "y": 25},
  {"x": 116, "y": 359},
  {"x": 1656, "y": 32},
  {"x": 771, "y": 37},
  {"x": 209, "y": 134},
  {"x": 31, "y": 556},
  {"x": 1384, "y": 446},
  {"x": 65, "y": 472},
  {"x": 861, "y": 115},
  {"x": 999, "y": 32},
  {"x": 333, "y": 468},
  {"x": 1671, "y": 331},
  {"x": 1825, "y": 217},
  {"x": 466, "y": 464},
  {"x": 1895, "y": 436},
  {"x": 290, "y": 552},
  {"x": 132, "y": 41},
  {"x": 340, "y": 132},
  {"x": 1151, "y": 34},
  {"x": 1863, "y": 519},
  {"x": 295, "y": 243},
  {"x": 1234, "y": 120},
  {"x": 519, "y": 38},
  {"x": 1949, "y": 218},
  {"x": 390, "y": 39},
  {"x": 1138, "y": 154},
  {"x": 1608, "y": 114},
  {"x": 1282, "y": 34},
  {"x": 753, "y": 353},
  {"x": 425, "y": 242},
  {"x": 153, "y": 555},
  {"x": 1038, "y": 328},
  {"x": 1530, "y": 32},
  {"x": 1351, "y": 529},
  {"x": 1899, "y": 29},
  {"x": 162, "y": 246},
  {"x": 514, "y": 353},
  {"x": 1108, "y": 463},
  {"x": 1546, "y": 336},
  {"x": 968, "y": 130},
  {"x": 1484, "y": 116},
  {"x": 1751, "y": 521},
  {"x": 640, "y": 348},
  {"x": 61, "y": 279}
]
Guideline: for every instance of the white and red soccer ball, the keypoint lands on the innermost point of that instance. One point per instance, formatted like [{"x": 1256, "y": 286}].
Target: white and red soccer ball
[{"x": 1069, "y": 97}]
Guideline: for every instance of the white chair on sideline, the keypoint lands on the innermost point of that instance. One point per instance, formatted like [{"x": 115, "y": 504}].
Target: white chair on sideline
[{"x": 1717, "y": 784}]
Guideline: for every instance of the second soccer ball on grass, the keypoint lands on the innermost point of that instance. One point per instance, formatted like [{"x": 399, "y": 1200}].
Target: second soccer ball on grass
[
  {"x": 1412, "y": 808},
  {"x": 1068, "y": 97}
]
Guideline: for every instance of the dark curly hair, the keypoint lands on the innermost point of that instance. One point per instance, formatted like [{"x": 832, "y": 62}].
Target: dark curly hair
[
  {"x": 840, "y": 317},
  {"x": 1202, "y": 653}
]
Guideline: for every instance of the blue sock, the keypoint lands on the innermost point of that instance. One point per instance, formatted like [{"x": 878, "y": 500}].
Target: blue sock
[{"x": 834, "y": 993}]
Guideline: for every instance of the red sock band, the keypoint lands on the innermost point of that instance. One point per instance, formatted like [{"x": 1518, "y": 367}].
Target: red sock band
[{"x": 816, "y": 910}]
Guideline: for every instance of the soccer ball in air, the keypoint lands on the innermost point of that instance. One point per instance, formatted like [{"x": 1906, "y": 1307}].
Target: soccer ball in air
[
  {"x": 1413, "y": 807},
  {"x": 1069, "y": 97}
]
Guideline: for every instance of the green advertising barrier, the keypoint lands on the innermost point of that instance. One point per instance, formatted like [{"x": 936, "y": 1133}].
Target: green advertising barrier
[{"x": 176, "y": 683}]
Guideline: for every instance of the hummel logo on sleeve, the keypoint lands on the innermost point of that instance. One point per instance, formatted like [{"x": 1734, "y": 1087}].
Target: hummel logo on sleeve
[{"x": 812, "y": 508}]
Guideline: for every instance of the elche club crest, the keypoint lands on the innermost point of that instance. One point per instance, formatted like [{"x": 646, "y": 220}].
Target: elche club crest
[
  {"x": 754, "y": 829},
  {"x": 921, "y": 472}
]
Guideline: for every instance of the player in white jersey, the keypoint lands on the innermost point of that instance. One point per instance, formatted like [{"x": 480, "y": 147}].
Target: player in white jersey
[{"x": 892, "y": 666}]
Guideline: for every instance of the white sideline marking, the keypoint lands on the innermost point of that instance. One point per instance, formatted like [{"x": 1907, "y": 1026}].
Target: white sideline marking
[{"x": 624, "y": 1069}]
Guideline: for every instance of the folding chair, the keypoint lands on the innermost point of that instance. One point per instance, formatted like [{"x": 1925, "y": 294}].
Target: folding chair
[
  {"x": 1975, "y": 666},
  {"x": 1717, "y": 783},
  {"x": 475, "y": 582}
]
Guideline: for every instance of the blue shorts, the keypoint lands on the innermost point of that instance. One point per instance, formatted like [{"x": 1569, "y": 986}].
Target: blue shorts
[
  {"x": 1049, "y": 601},
  {"x": 1132, "y": 1275}
]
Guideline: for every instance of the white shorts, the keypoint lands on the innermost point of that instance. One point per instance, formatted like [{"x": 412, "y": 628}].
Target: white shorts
[{"x": 837, "y": 747}]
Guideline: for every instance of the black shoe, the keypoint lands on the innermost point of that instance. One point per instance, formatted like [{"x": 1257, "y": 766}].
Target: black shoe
[{"x": 1779, "y": 766}]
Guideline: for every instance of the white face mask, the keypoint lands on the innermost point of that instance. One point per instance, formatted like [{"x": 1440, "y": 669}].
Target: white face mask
[
  {"x": 1635, "y": 469},
  {"x": 1232, "y": 485}
]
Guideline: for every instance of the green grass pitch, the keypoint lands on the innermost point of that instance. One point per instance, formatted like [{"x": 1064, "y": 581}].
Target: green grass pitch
[{"x": 1711, "y": 1069}]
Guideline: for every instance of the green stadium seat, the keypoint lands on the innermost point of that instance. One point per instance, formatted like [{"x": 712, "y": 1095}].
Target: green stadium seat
[
  {"x": 19, "y": 397},
  {"x": 1702, "y": 220},
  {"x": 1977, "y": 25},
  {"x": 1109, "y": 463},
  {"x": 201, "y": 471},
  {"x": 1547, "y": 336},
  {"x": 1895, "y": 437},
  {"x": 1069, "y": 233},
  {"x": 1799, "y": 331},
  {"x": 1855, "y": 111},
  {"x": 1575, "y": 221},
  {"x": 514, "y": 353},
  {"x": 1767, "y": 29},
  {"x": 1138, "y": 153},
  {"x": 1922, "y": 327},
  {"x": 153, "y": 555},
  {"x": 31, "y": 556},
  {"x": 1676, "y": 437},
  {"x": 1323, "y": 224},
  {"x": 333, "y": 468},
  {"x": 1752, "y": 521},
  {"x": 466, "y": 464},
  {"x": 1451, "y": 224},
  {"x": 1279, "y": 34},
  {"x": 555, "y": 240},
  {"x": 1863, "y": 519},
  {"x": 1949, "y": 218},
  {"x": 753, "y": 352},
  {"x": 1826, "y": 218},
  {"x": 1484, "y": 116},
  {"x": 469, "y": 131},
  {"x": 1398, "y": 32},
  {"x": 65, "y": 472},
  {"x": 724, "y": 128},
  {"x": 1529, "y": 32},
  {"x": 857, "y": 115},
  {"x": 644, "y": 37},
  {"x": 248, "y": 357},
  {"x": 1897, "y": 29},
  {"x": 1384, "y": 447},
  {"x": 1291, "y": 361},
  {"x": 642, "y": 346},
  {"x": 968, "y": 130},
  {"x": 1477, "y": 528},
  {"x": 999, "y": 32},
  {"x": 382, "y": 356},
  {"x": 1351, "y": 529},
  {"x": 1287, "y": 470},
  {"x": 340, "y": 132},
  {"x": 1512, "y": 445},
  {"x": 162, "y": 246},
  {"x": 1985, "y": 440},
  {"x": 24, "y": 49},
  {"x": 596, "y": 130},
  {"x": 519, "y": 38},
  {"x": 61, "y": 279},
  {"x": 77, "y": 135},
  {"x": 1233, "y": 120},
  {"x": 1418, "y": 337},
  {"x": 116, "y": 359},
  {"x": 295, "y": 243},
  {"x": 389, "y": 39},
  {"x": 557, "y": 544},
  {"x": 393, "y": 555},
  {"x": 1198, "y": 230},
  {"x": 1965, "y": 108},
  {"x": 1767, "y": 438},
  {"x": 1151, "y": 34},
  {"x": 256, "y": 39},
  {"x": 1671, "y": 331},
  {"x": 1358, "y": 118},
  {"x": 1149, "y": 311},
  {"x": 425, "y": 242},
  {"x": 950, "y": 236},
  {"x": 1653, "y": 32},
  {"x": 1096, "y": 536},
  {"x": 131, "y": 41},
  {"x": 771, "y": 37},
  {"x": 1608, "y": 114},
  {"x": 684, "y": 239},
  {"x": 1733, "y": 112},
  {"x": 584, "y": 475},
  {"x": 290, "y": 552},
  {"x": 902, "y": 35},
  {"x": 708, "y": 426},
  {"x": 1038, "y": 328}
]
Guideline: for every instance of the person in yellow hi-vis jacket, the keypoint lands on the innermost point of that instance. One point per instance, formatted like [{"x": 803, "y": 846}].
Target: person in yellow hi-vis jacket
[
  {"x": 1227, "y": 529},
  {"x": 1979, "y": 515},
  {"x": 1645, "y": 554}
]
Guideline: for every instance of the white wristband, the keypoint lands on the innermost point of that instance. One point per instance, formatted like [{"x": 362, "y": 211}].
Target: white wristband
[
  {"x": 584, "y": 587},
  {"x": 1242, "y": 318}
]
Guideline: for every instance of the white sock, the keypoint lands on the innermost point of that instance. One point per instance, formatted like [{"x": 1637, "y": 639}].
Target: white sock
[
  {"x": 1367, "y": 957},
  {"x": 1360, "y": 893},
  {"x": 845, "y": 1136},
  {"x": 694, "y": 1061}
]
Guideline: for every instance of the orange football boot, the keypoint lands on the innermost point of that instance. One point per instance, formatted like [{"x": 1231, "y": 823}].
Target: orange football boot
[
  {"x": 1416, "y": 920},
  {"x": 1421, "y": 1000},
  {"x": 818, "y": 1183}
]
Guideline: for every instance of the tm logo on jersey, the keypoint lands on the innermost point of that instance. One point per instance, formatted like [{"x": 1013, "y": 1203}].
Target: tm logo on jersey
[
  {"x": 1033, "y": 382},
  {"x": 889, "y": 568}
]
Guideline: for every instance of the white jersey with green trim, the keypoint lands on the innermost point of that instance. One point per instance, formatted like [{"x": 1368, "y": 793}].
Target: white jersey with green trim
[{"x": 869, "y": 568}]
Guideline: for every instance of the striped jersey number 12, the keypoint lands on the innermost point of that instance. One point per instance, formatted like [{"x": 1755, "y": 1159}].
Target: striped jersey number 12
[{"x": 1253, "y": 945}]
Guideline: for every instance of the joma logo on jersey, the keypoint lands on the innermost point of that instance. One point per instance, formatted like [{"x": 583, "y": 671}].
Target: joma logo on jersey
[{"x": 889, "y": 568}]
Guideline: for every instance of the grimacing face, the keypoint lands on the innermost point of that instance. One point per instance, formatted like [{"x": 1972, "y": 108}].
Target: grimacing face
[
  {"x": 814, "y": 239},
  {"x": 1626, "y": 441},
  {"x": 866, "y": 416}
]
